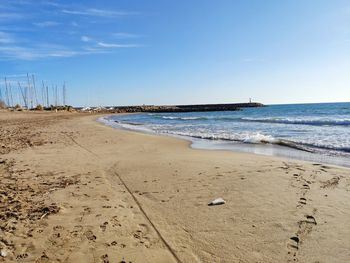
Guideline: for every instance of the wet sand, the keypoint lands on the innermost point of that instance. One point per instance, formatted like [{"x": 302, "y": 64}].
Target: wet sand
[{"x": 74, "y": 190}]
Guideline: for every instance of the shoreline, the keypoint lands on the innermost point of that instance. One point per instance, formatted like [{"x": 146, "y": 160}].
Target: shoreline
[
  {"x": 91, "y": 193},
  {"x": 271, "y": 150}
]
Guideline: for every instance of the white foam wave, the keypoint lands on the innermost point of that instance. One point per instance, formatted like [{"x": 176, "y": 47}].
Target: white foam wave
[
  {"x": 253, "y": 138},
  {"x": 182, "y": 118},
  {"x": 303, "y": 121},
  {"x": 306, "y": 142},
  {"x": 259, "y": 138}
]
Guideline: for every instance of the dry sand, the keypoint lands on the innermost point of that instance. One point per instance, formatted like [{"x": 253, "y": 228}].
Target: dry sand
[{"x": 73, "y": 190}]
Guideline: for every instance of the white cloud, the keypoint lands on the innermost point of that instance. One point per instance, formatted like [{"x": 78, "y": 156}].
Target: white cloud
[
  {"x": 42, "y": 16},
  {"x": 47, "y": 50},
  {"x": 94, "y": 50},
  {"x": 85, "y": 39},
  {"x": 113, "y": 45},
  {"x": 97, "y": 12},
  {"x": 122, "y": 35},
  {"x": 46, "y": 24},
  {"x": 16, "y": 76},
  {"x": 51, "y": 3},
  {"x": 17, "y": 52},
  {"x": 33, "y": 53},
  {"x": 6, "y": 38},
  {"x": 10, "y": 16}
]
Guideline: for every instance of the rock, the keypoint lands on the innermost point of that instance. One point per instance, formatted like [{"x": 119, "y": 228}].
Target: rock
[{"x": 3, "y": 253}]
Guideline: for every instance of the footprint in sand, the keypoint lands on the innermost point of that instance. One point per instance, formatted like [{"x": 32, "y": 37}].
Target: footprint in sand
[
  {"x": 57, "y": 237},
  {"x": 141, "y": 235},
  {"x": 104, "y": 226},
  {"x": 43, "y": 258},
  {"x": 294, "y": 242},
  {"x": 87, "y": 210},
  {"x": 301, "y": 202},
  {"x": 306, "y": 187},
  {"x": 56, "y": 228},
  {"x": 115, "y": 222},
  {"x": 293, "y": 247},
  {"x": 74, "y": 233},
  {"x": 21, "y": 256},
  {"x": 305, "y": 226},
  {"x": 90, "y": 235},
  {"x": 332, "y": 183},
  {"x": 114, "y": 243},
  {"x": 311, "y": 220},
  {"x": 104, "y": 258}
]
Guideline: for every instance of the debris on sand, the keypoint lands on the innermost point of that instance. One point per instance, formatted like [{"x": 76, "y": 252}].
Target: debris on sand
[
  {"x": 43, "y": 211},
  {"x": 218, "y": 201}
]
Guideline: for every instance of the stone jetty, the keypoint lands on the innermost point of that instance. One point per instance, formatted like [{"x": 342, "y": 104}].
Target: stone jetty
[{"x": 188, "y": 108}]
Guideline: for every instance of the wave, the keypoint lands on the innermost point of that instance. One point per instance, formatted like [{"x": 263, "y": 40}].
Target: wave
[
  {"x": 252, "y": 138},
  {"x": 315, "y": 122},
  {"x": 295, "y": 121},
  {"x": 243, "y": 137},
  {"x": 202, "y": 118},
  {"x": 327, "y": 147},
  {"x": 248, "y": 138},
  {"x": 180, "y": 118},
  {"x": 258, "y": 138}
]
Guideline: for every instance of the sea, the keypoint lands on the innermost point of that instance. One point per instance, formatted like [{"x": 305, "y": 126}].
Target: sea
[{"x": 311, "y": 132}]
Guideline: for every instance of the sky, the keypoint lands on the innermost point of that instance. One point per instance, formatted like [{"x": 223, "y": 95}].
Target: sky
[{"x": 132, "y": 52}]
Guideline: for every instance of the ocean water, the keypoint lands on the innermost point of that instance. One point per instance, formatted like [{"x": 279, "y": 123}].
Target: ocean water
[{"x": 313, "y": 132}]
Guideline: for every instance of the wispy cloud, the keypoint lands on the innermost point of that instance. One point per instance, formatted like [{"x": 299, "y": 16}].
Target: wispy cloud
[
  {"x": 46, "y": 24},
  {"x": 14, "y": 52},
  {"x": 69, "y": 30},
  {"x": 85, "y": 39},
  {"x": 10, "y": 16},
  {"x": 33, "y": 53},
  {"x": 123, "y": 35},
  {"x": 113, "y": 45},
  {"x": 6, "y": 38},
  {"x": 51, "y": 3},
  {"x": 75, "y": 24},
  {"x": 16, "y": 76},
  {"x": 16, "y": 29},
  {"x": 97, "y": 12}
]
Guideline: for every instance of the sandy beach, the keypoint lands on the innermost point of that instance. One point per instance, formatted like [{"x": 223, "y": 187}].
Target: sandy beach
[{"x": 74, "y": 190}]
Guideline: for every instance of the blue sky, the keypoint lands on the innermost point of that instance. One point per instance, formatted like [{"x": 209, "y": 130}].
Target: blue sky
[{"x": 124, "y": 52}]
